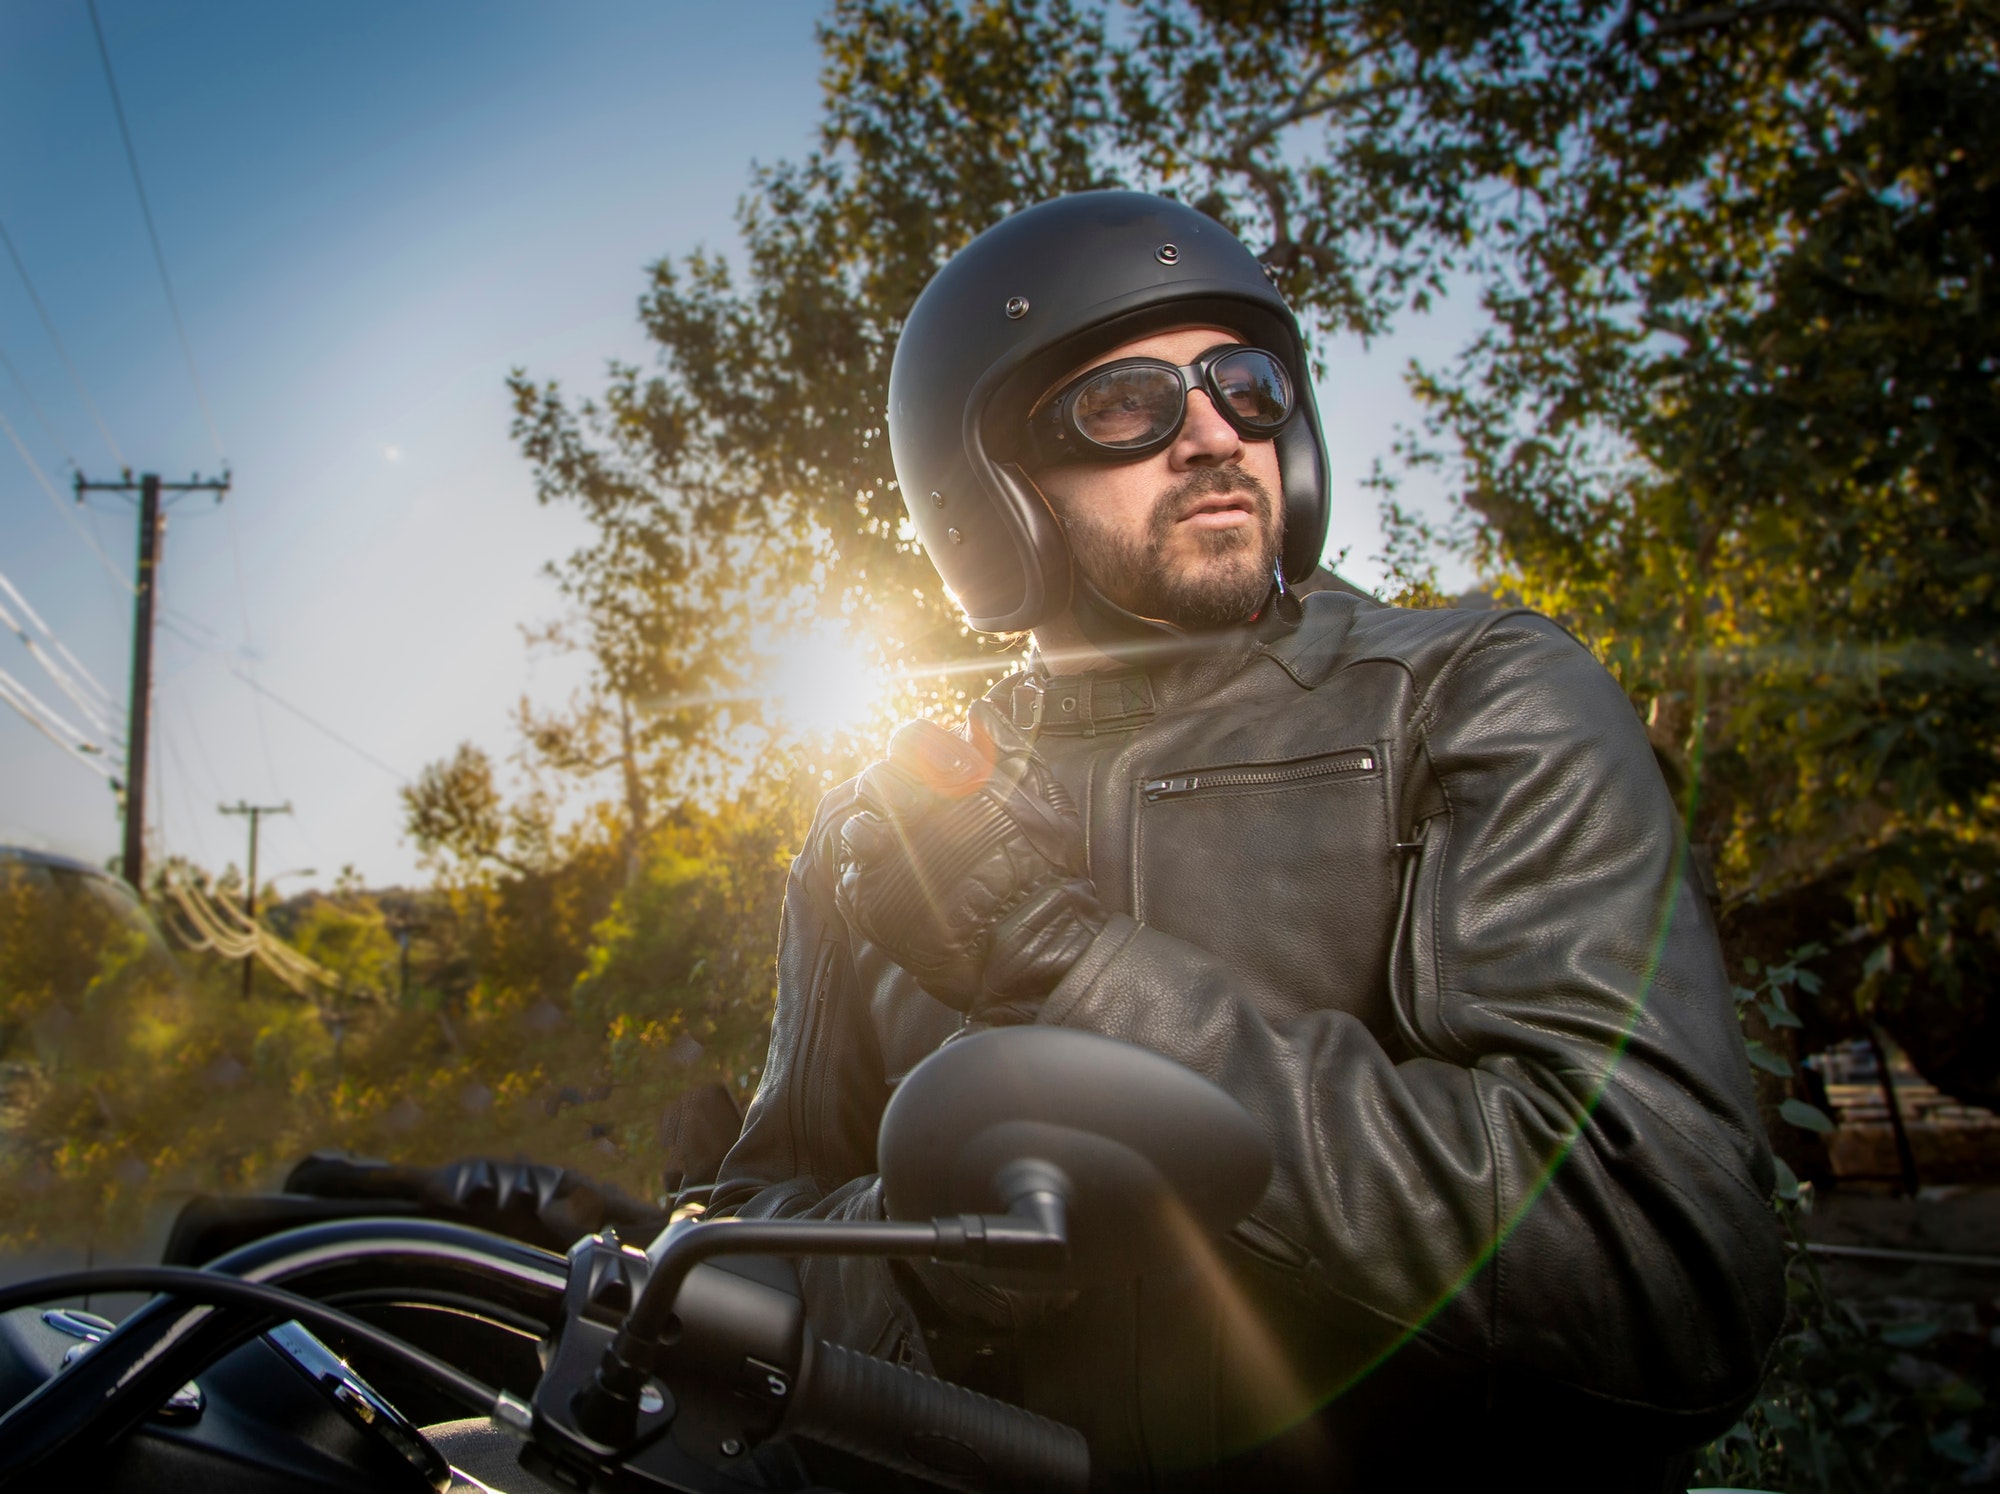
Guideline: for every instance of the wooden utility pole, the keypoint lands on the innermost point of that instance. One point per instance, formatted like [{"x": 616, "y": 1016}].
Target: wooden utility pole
[
  {"x": 256, "y": 813},
  {"x": 152, "y": 527}
]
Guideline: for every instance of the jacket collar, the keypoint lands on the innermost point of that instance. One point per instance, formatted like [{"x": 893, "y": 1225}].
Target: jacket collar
[{"x": 1141, "y": 667}]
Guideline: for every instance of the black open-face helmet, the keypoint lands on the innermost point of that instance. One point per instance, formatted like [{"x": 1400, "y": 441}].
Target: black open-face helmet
[{"x": 1049, "y": 288}]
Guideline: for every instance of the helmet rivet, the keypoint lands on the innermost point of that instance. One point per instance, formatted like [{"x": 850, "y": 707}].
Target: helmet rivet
[
  {"x": 937, "y": 500},
  {"x": 954, "y": 536},
  {"x": 1017, "y": 307},
  {"x": 1168, "y": 254}
]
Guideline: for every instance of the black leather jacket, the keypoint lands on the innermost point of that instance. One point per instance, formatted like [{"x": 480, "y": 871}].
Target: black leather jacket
[{"x": 1410, "y": 887}]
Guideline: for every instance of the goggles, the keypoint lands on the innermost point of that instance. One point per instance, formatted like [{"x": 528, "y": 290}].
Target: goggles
[{"x": 1136, "y": 406}]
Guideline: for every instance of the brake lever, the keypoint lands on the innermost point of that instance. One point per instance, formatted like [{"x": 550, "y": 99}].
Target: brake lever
[
  {"x": 674, "y": 1363},
  {"x": 724, "y": 1372}
]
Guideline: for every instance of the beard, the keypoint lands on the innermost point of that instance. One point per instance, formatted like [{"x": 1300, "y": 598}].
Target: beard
[{"x": 1207, "y": 578}]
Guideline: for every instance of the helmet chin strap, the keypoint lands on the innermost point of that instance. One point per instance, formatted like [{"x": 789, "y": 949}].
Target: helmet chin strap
[
  {"x": 1128, "y": 638},
  {"x": 1114, "y": 629}
]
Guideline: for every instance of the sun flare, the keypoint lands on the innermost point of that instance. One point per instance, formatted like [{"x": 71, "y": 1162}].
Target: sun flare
[{"x": 823, "y": 682}]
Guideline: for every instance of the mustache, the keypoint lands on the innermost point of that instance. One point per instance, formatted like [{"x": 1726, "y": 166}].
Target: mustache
[{"x": 1208, "y": 482}]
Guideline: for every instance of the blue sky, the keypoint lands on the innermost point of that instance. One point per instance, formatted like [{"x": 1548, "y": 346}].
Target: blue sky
[{"x": 370, "y": 213}]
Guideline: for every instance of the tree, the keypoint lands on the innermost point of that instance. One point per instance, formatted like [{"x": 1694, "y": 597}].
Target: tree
[
  {"x": 348, "y": 936},
  {"x": 745, "y": 485},
  {"x": 1731, "y": 419},
  {"x": 455, "y": 814}
]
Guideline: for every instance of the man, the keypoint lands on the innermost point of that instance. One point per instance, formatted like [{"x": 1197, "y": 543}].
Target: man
[{"x": 1406, "y": 884}]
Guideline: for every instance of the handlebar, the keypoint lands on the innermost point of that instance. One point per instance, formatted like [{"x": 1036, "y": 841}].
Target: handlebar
[
  {"x": 931, "y": 1428},
  {"x": 171, "y": 1339},
  {"x": 851, "y": 1402}
]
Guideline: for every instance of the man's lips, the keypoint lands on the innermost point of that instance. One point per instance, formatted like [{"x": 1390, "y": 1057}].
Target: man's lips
[{"x": 1220, "y": 511}]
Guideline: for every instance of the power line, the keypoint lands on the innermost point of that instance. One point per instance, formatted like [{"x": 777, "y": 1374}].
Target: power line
[
  {"x": 396, "y": 773},
  {"x": 64, "y": 509},
  {"x": 93, "y": 712},
  {"x": 177, "y": 623},
  {"x": 200, "y": 747},
  {"x": 101, "y": 769},
  {"x": 62, "y": 352},
  {"x": 115, "y": 587},
  {"x": 47, "y": 632},
  {"x": 47, "y": 713},
  {"x": 22, "y": 706},
  {"x": 170, "y": 751},
  {"x": 28, "y": 395},
  {"x": 236, "y": 564},
  {"x": 226, "y": 930},
  {"x": 264, "y": 732},
  {"x": 250, "y": 645},
  {"x": 89, "y": 537},
  {"x": 187, "y": 349},
  {"x": 152, "y": 233},
  {"x": 179, "y": 699}
]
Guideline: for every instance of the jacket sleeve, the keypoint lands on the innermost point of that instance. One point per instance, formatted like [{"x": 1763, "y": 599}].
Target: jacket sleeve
[
  {"x": 807, "y": 1149},
  {"x": 1561, "y": 1178}
]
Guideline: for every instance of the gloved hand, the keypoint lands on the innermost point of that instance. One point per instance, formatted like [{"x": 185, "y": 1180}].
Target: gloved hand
[
  {"x": 966, "y": 865},
  {"x": 543, "y": 1205}
]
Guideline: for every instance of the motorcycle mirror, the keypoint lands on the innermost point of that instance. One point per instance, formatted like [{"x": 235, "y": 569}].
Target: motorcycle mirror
[{"x": 1154, "y": 1157}]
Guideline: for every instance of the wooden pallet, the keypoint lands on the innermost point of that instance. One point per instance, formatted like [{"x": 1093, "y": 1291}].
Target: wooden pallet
[{"x": 1953, "y": 1142}]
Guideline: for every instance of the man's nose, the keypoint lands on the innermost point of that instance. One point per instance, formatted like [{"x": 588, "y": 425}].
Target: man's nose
[{"x": 1205, "y": 439}]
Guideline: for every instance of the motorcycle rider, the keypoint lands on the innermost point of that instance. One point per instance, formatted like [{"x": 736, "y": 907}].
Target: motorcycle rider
[{"x": 1407, "y": 884}]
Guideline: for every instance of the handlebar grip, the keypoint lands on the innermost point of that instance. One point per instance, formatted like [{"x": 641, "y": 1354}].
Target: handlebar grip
[{"x": 931, "y": 1428}]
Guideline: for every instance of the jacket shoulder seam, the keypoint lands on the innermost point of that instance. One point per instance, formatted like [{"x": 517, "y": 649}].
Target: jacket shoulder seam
[{"x": 1474, "y": 640}]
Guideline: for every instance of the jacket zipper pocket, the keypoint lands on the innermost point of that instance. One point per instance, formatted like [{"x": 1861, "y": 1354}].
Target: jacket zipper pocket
[{"x": 1182, "y": 784}]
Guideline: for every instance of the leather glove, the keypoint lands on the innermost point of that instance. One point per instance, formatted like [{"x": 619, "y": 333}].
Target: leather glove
[
  {"x": 965, "y": 864},
  {"x": 543, "y": 1205}
]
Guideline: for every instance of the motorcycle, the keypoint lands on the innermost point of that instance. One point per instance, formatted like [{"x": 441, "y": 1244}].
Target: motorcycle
[{"x": 1033, "y": 1156}]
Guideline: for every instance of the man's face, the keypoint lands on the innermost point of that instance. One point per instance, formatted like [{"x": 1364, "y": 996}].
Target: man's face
[{"x": 1190, "y": 534}]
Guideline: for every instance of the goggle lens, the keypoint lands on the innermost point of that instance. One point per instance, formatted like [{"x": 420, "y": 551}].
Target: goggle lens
[
  {"x": 1253, "y": 387},
  {"x": 1137, "y": 407},
  {"x": 1128, "y": 406}
]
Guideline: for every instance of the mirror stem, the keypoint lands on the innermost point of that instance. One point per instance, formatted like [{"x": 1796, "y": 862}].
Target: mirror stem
[
  {"x": 1036, "y": 1224},
  {"x": 1033, "y": 1234}
]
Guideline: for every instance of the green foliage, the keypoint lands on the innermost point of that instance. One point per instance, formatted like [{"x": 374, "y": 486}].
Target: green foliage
[
  {"x": 1731, "y": 418},
  {"x": 555, "y": 1013},
  {"x": 690, "y": 941},
  {"x": 1768, "y": 1005},
  {"x": 75, "y": 960},
  {"x": 1410, "y": 550},
  {"x": 456, "y": 814},
  {"x": 743, "y": 488},
  {"x": 1847, "y": 1406},
  {"x": 1850, "y": 1406},
  {"x": 348, "y": 936}
]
